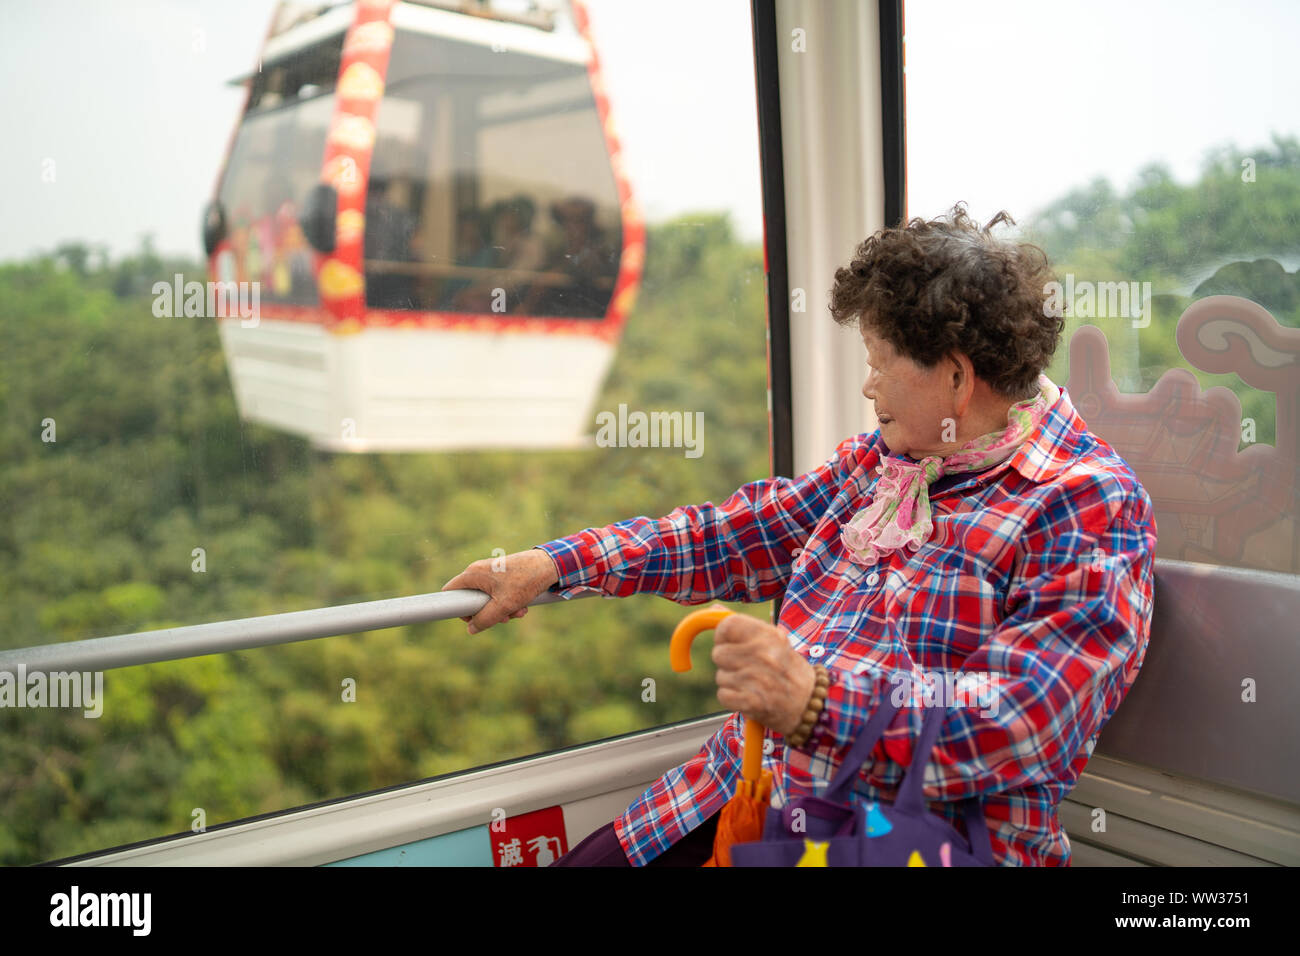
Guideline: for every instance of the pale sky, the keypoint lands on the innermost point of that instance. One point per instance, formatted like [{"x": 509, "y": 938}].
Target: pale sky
[
  {"x": 1014, "y": 102},
  {"x": 1009, "y": 103}
]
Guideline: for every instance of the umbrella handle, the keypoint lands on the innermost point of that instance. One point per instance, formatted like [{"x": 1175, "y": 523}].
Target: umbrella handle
[{"x": 679, "y": 655}]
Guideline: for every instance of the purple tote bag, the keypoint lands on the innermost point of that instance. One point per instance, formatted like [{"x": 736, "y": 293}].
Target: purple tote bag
[{"x": 830, "y": 831}]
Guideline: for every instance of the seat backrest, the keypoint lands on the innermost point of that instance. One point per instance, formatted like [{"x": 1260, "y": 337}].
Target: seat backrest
[
  {"x": 1215, "y": 697},
  {"x": 1190, "y": 770}
]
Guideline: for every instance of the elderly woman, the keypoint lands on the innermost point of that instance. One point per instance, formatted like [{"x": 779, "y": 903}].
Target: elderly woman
[{"x": 982, "y": 530}]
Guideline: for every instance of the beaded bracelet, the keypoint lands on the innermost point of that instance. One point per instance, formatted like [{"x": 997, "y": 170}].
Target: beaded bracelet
[{"x": 813, "y": 712}]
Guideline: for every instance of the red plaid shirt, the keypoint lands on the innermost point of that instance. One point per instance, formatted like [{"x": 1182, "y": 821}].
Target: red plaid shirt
[{"x": 1036, "y": 584}]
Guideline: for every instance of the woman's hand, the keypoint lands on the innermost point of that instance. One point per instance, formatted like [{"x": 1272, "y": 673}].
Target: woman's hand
[
  {"x": 760, "y": 674},
  {"x": 511, "y": 582}
]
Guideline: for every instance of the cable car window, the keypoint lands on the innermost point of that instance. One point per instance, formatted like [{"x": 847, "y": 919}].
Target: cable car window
[
  {"x": 491, "y": 190},
  {"x": 312, "y": 70},
  {"x": 168, "y": 465},
  {"x": 274, "y": 162},
  {"x": 1165, "y": 194}
]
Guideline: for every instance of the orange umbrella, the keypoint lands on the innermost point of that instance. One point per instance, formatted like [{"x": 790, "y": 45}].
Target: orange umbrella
[{"x": 742, "y": 818}]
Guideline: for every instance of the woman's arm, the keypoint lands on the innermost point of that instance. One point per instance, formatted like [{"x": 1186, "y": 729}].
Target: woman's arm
[
  {"x": 1049, "y": 676},
  {"x": 741, "y": 550}
]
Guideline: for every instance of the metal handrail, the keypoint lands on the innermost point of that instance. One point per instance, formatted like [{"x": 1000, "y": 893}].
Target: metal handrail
[{"x": 220, "y": 637}]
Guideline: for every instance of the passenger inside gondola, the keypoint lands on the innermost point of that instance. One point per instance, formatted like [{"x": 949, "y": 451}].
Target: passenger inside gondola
[
  {"x": 1031, "y": 569},
  {"x": 473, "y": 251},
  {"x": 389, "y": 243},
  {"x": 518, "y": 255},
  {"x": 522, "y": 252},
  {"x": 585, "y": 256}
]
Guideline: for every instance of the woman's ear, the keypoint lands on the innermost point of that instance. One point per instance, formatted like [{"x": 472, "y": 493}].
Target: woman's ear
[{"x": 963, "y": 381}]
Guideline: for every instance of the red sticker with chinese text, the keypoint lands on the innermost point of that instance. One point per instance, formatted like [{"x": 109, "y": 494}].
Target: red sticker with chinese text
[{"x": 530, "y": 839}]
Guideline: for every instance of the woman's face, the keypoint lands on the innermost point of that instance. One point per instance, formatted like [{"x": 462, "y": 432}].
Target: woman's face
[{"x": 914, "y": 404}]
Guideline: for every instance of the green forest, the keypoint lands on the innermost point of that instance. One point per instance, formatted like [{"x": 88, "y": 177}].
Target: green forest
[
  {"x": 1235, "y": 231},
  {"x": 150, "y": 461}
]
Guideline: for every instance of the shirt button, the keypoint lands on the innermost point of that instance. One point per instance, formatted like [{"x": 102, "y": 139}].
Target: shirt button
[
  {"x": 816, "y": 651},
  {"x": 769, "y": 746},
  {"x": 873, "y": 579}
]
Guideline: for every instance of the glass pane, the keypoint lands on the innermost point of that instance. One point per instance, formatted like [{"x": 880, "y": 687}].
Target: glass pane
[
  {"x": 274, "y": 162},
  {"x": 1165, "y": 192},
  {"x": 491, "y": 172},
  {"x": 141, "y": 495}
]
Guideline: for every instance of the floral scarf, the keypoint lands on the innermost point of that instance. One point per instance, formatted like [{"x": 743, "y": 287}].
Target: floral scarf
[{"x": 899, "y": 513}]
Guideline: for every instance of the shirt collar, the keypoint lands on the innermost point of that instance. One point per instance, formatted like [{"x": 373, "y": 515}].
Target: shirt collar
[{"x": 1050, "y": 448}]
